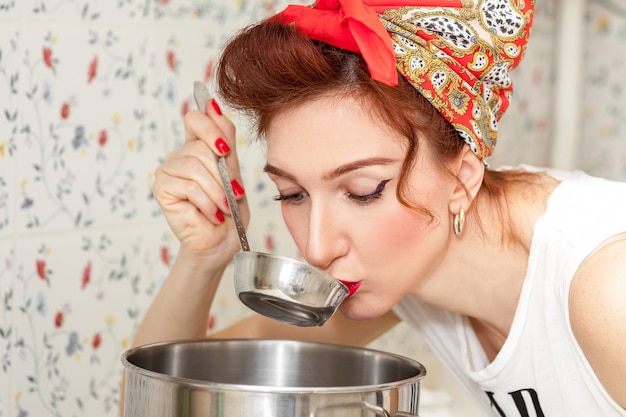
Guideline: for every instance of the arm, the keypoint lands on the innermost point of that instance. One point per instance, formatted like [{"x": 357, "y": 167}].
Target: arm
[
  {"x": 598, "y": 315},
  {"x": 336, "y": 330},
  {"x": 181, "y": 307},
  {"x": 189, "y": 191}
]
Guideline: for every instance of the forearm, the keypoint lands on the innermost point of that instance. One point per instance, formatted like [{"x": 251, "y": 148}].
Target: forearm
[{"x": 181, "y": 308}]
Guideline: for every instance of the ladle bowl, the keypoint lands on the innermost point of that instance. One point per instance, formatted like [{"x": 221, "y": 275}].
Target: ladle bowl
[{"x": 286, "y": 290}]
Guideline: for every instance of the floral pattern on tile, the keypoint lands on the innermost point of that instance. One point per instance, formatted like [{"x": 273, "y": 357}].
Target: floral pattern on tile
[
  {"x": 82, "y": 127},
  {"x": 9, "y": 9},
  {"x": 150, "y": 11},
  {"x": 603, "y": 145},
  {"x": 75, "y": 300},
  {"x": 7, "y": 251},
  {"x": 9, "y": 79}
]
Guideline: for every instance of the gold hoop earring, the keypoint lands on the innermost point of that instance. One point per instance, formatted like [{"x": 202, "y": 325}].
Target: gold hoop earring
[{"x": 459, "y": 222}]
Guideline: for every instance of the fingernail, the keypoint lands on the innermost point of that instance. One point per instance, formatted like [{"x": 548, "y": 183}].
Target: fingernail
[
  {"x": 226, "y": 202},
  {"x": 237, "y": 188},
  {"x": 222, "y": 146},
  {"x": 216, "y": 107},
  {"x": 219, "y": 216}
]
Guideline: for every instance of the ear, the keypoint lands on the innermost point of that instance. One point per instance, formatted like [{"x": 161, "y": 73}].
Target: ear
[{"x": 469, "y": 172}]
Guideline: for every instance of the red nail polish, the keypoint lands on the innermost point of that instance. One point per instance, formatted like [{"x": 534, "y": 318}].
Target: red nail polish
[
  {"x": 219, "y": 216},
  {"x": 222, "y": 146},
  {"x": 216, "y": 107},
  {"x": 237, "y": 188},
  {"x": 226, "y": 202}
]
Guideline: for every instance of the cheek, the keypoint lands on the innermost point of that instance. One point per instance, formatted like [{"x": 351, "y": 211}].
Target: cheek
[{"x": 400, "y": 230}]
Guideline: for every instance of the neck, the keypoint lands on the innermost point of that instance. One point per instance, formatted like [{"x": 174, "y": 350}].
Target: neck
[{"x": 484, "y": 269}]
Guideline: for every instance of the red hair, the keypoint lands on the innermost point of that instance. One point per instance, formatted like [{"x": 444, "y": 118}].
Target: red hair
[{"x": 269, "y": 68}]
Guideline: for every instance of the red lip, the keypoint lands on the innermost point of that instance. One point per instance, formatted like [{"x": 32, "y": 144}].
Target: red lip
[{"x": 352, "y": 286}]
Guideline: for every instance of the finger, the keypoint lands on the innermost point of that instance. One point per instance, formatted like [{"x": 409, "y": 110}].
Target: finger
[
  {"x": 176, "y": 195},
  {"x": 217, "y": 131},
  {"x": 199, "y": 126},
  {"x": 226, "y": 126},
  {"x": 214, "y": 112},
  {"x": 194, "y": 160},
  {"x": 196, "y": 169}
]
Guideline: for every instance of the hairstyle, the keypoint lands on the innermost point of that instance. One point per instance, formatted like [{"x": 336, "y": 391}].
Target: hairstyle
[{"x": 268, "y": 68}]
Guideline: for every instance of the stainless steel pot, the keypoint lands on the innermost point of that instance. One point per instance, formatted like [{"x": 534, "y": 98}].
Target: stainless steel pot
[{"x": 273, "y": 378}]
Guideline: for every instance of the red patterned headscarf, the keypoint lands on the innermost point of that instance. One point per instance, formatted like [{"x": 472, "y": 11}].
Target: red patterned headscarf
[{"x": 456, "y": 53}]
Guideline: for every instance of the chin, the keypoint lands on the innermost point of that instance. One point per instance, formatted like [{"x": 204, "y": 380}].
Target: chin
[{"x": 355, "y": 309}]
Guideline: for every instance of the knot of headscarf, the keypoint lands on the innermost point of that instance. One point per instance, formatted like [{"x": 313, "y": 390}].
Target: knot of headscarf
[
  {"x": 350, "y": 25},
  {"x": 456, "y": 53}
]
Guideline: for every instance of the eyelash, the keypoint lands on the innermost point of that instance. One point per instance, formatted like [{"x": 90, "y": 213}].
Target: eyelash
[
  {"x": 364, "y": 199},
  {"x": 296, "y": 198}
]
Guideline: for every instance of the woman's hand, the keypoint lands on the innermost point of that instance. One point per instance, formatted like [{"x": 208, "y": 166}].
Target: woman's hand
[{"x": 189, "y": 190}]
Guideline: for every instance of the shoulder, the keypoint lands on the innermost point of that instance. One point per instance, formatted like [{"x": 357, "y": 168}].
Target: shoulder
[{"x": 598, "y": 314}]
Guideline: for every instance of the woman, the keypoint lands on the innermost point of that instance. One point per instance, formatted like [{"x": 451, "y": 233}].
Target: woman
[{"x": 378, "y": 119}]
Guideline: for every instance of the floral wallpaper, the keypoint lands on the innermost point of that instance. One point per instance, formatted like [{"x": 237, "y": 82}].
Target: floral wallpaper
[
  {"x": 91, "y": 98},
  {"x": 602, "y": 149},
  {"x": 92, "y": 95}
]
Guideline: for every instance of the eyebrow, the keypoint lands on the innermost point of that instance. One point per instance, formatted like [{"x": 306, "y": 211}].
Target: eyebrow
[{"x": 337, "y": 172}]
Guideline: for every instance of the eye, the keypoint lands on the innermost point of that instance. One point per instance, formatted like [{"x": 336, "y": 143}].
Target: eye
[
  {"x": 294, "y": 198},
  {"x": 368, "y": 198}
]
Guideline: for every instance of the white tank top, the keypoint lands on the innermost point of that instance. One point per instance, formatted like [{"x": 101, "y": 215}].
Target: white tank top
[{"x": 540, "y": 370}]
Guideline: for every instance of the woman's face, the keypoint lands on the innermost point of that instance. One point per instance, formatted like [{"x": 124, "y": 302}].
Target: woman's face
[{"x": 337, "y": 171}]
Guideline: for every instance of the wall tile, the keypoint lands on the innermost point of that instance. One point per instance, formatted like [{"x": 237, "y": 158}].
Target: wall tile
[
  {"x": 83, "y": 127},
  {"x": 10, "y": 44},
  {"x": 10, "y": 9},
  {"x": 137, "y": 11},
  {"x": 85, "y": 10},
  {"x": 77, "y": 302},
  {"x": 603, "y": 148},
  {"x": 7, "y": 310}
]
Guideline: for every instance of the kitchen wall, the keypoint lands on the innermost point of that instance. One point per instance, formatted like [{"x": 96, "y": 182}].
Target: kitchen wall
[
  {"x": 91, "y": 98},
  {"x": 602, "y": 145}
]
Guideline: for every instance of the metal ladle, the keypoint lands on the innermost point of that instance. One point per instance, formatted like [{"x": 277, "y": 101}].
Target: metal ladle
[{"x": 280, "y": 288}]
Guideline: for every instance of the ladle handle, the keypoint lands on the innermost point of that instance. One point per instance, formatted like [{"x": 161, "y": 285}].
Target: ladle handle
[
  {"x": 201, "y": 95},
  {"x": 232, "y": 204}
]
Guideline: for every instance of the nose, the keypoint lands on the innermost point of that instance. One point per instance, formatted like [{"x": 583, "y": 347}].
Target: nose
[{"x": 325, "y": 241}]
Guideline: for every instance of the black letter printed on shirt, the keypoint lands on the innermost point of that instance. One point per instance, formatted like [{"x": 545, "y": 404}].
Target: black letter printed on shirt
[{"x": 521, "y": 401}]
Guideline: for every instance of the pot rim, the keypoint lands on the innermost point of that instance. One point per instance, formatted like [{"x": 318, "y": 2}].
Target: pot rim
[{"x": 209, "y": 385}]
